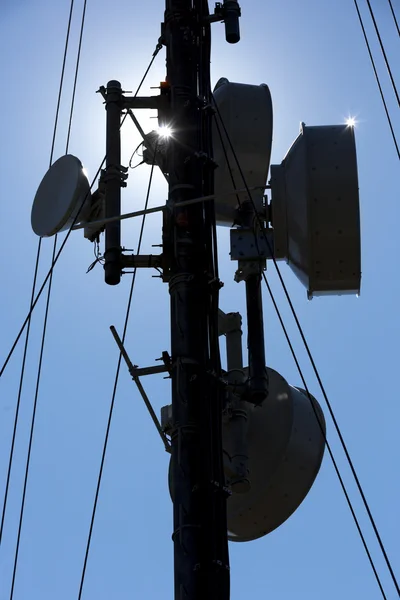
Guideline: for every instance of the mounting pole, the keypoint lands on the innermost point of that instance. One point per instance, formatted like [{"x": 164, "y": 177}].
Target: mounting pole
[
  {"x": 252, "y": 273},
  {"x": 201, "y": 562},
  {"x": 112, "y": 180},
  {"x": 257, "y": 389},
  {"x": 230, "y": 325}
]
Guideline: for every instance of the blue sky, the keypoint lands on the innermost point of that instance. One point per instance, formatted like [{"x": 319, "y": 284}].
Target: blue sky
[{"x": 312, "y": 56}]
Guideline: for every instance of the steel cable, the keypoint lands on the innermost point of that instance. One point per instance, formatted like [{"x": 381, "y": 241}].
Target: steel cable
[
  {"x": 39, "y": 371},
  {"x": 383, "y": 51},
  {"x": 48, "y": 277},
  {"x": 25, "y": 322},
  {"x": 330, "y": 451},
  {"x": 394, "y": 16},
  {"x": 114, "y": 392},
  {"x": 78, "y": 58},
  {"x": 377, "y": 80},
  {"x": 31, "y": 436},
  {"x": 16, "y": 418},
  {"x": 300, "y": 329},
  {"x": 158, "y": 48}
]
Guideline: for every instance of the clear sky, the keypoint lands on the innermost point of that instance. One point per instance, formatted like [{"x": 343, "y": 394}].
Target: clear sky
[{"x": 312, "y": 56}]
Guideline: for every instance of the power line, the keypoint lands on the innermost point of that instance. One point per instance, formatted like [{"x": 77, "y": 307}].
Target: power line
[
  {"x": 33, "y": 304},
  {"x": 24, "y": 324},
  {"x": 21, "y": 380},
  {"x": 156, "y": 51},
  {"x": 128, "y": 308},
  {"x": 330, "y": 451},
  {"x": 39, "y": 371},
  {"x": 34, "y": 284},
  {"x": 377, "y": 80},
  {"x": 61, "y": 82},
  {"x": 343, "y": 444},
  {"x": 78, "y": 58},
  {"x": 394, "y": 16},
  {"x": 383, "y": 51},
  {"x": 300, "y": 329},
  {"x": 31, "y": 434},
  {"x": 46, "y": 279}
]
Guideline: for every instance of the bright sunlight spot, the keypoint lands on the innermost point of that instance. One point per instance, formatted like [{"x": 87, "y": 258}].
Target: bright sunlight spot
[
  {"x": 350, "y": 122},
  {"x": 165, "y": 131}
]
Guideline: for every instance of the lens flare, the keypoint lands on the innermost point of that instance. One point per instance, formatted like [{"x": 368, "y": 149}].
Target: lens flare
[
  {"x": 164, "y": 131},
  {"x": 351, "y": 122}
]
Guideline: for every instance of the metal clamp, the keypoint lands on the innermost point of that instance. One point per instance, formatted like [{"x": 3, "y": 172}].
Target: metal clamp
[
  {"x": 115, "y": 172},
  {"x": 248, "y": 244}
]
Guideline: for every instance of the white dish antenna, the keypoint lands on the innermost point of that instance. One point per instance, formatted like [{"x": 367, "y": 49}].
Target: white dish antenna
[
  {"x": 316, "y": 212},
  {"x": 63, "y": 197},
  {"x": 246, "y": 112},
  {"x": 285, "y": 447},
  {"x": 285, "y": 443}
]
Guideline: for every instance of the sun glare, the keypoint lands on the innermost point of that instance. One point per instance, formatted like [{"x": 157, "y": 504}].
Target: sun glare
[
  {"x": 164, "y": 131},
  {"x": 351, "y": 122}
]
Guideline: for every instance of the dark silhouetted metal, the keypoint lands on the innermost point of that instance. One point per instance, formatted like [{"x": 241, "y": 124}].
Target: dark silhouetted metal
[
  {"x": 257, "y": 385},
  {"x": 200, "y": 532},
  {"x": 112, "y": 180}
]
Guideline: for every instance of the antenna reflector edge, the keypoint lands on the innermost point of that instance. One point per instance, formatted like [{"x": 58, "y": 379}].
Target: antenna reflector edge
[{"x": 63, "y": 196}]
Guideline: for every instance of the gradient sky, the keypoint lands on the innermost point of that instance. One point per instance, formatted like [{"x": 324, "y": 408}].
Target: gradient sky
[{"x": 313, "y": 57}]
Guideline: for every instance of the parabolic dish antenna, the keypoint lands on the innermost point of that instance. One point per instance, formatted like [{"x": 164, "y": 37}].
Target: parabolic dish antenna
[
  {"x": 285, "y": 450},
  {"x": 316, "y": 210},
  {"x": 285, "y": 447},
  {"x": 63, "y": 197},
  {"x": 246, "y": 113}
]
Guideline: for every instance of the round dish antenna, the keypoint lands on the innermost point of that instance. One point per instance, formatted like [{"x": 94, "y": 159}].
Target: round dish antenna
[
  {"x": 315, "y": 210},
  {"x": 281, "y": 446},
  {"x": 63, "y": 197},
  {"x": 246, "y": 113},
  {"x": 285, "y": 447}
]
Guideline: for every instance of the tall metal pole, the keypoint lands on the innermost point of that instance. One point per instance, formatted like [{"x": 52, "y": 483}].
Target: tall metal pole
[{"x": 200, "y": 533}]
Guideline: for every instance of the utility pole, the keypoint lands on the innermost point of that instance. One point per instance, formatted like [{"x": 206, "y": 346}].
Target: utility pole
[
  {"x": 199, "y": 494},
  {"x": 275, "y": 451}
]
